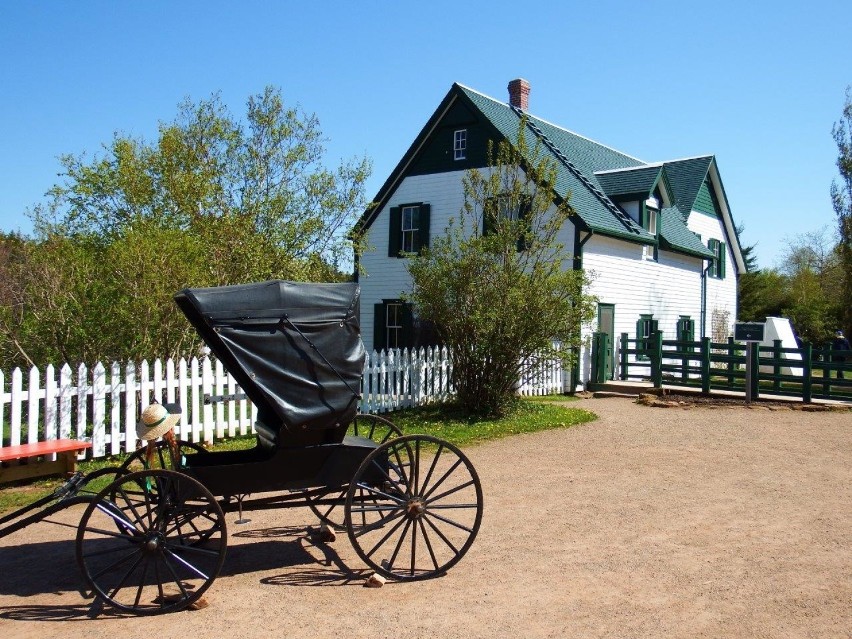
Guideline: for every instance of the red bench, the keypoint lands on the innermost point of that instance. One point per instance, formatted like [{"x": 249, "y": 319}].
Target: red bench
[{"x": 26, "y": 461}]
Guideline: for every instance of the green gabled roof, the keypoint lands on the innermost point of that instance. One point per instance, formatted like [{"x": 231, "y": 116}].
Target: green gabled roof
[
  {"x": 675, "y": 235},
  {"x": 630, "y": 181},
  {"x": 576, "y": 158},
  {"x": 685, "y": 178},
  {"x": 589, "y": 173}
]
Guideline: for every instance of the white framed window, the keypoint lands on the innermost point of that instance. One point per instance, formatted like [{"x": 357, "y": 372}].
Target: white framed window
[
  {"x": 651, "y": 220},
  {"x": 460, "y": 144},
  {"x": 393, "y": 325},
  {"x": 409, "y": 228}
]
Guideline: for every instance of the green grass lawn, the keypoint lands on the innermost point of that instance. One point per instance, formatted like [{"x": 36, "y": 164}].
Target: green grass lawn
[{"x": 444, "y": 421}]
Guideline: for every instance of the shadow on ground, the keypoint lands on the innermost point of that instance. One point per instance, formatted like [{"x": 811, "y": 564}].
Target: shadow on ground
[{"x": 51, "y": 567}]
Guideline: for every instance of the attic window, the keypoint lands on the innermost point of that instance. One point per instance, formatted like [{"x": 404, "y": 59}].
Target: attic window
[
  {"x": 650, "y": 222},
  {"x": 460, "y": 144}
]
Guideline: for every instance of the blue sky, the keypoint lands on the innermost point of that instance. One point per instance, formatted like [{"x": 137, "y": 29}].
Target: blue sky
[{"x": 758, "y": 84}]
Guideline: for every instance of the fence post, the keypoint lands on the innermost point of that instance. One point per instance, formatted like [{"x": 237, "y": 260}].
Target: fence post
[
  {"x": 130, "y": 407},
  {"x": 826, "y": 370},
  {"x": 731, "y": 352},
  {"x": 755, "y": 360},
  {"x": 159, "y": 386},
  {"x": 145, "y": 386},
  {"x": 622, "y": 355},
  {"x": 208, "y": 424},
  {"x": 232, "y": 406},
  {"x": 807, "y": 379},
  {"x": 2, "y": 405},
  {"x": 33, "y": 397},
  {"x": 705, "y": 364},
  {"x": 99, "y": 410},
  {"x": 82, "y": 388},
  {"x": 196, "y": 403},
  {"x": 15, "y": 412},
  {"x": 51, "y": 393},
  {"x": 597, "y": 360},
  {"x": 657, "y": 359},
  {"x": 776, "y": 368},
  {"x": 115, "y": 409},
  {"x": 219, "y": 389}
]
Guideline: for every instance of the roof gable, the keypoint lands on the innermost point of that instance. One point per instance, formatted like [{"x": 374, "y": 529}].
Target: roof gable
[
  {"x": 632, "y": 181},
  {"x": 589, "y": 173},
  {"x": 686, "y": 178}
]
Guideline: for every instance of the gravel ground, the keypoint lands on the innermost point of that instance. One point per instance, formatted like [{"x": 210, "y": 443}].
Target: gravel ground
[{"x": 649, "y": 522}]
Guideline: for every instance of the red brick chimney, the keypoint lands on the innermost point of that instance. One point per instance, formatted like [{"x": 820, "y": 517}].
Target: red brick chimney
[{"x": 519, "y": 94}]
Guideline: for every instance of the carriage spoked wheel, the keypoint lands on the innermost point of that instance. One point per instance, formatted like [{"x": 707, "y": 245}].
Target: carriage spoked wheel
[
  {"x": 328, "y": 505},
  {"x": 163, "y": 458},
  {"x": 151, "y": 551},
  {"x": 425, "y": 508}
]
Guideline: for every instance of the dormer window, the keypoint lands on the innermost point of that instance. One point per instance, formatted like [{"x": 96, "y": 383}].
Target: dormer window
[
  {"x": 650, "y": 221},
  {"x": 460, "y": 144}
]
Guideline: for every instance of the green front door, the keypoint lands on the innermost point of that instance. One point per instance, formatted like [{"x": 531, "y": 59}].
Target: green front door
[{"x": 606, "y": 324}]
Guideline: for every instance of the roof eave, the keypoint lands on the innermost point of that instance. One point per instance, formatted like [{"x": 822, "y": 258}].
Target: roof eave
[
  {"x": 366, "y": 220},
  {"x": 727, "y": 218}
]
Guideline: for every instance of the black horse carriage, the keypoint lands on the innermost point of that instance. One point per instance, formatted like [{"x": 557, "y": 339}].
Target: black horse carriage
[{"x": 153, "y": 540}]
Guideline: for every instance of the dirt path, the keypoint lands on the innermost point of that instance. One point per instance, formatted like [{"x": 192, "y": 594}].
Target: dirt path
[{"x": 646, "y": 523}]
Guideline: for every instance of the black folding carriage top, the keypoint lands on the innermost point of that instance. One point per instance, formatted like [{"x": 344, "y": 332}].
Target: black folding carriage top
[{"x": 296, "y": 351}]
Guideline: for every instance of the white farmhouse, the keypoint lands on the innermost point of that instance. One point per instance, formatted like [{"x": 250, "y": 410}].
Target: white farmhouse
[{"x": 658, "y": 238}]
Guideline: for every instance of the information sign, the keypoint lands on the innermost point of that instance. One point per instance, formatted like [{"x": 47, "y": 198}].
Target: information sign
[{"x": 748, "y": 331}]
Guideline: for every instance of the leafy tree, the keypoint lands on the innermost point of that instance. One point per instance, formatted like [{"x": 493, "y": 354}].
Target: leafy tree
[
  {"x": 762, "y": 293},
  {"x": 497, "y": 284},
  {"x": 214, "y": 200},
  {"x": 750, "y": 285},
  {"x": 841, "y": 197},
  {"x": 812, "y": 278},
  {"x": 264, "y": 175}
]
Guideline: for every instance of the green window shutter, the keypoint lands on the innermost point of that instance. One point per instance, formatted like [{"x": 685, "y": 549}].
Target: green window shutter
[
  {"x": 722, "y": 255},
  {"x": 713, "y": 245},
  {"x": 640, "y": 341},
  {"x": 379, "y": 331},
  {"x": 407, "y": 326},
  {"x": 524, "y": 214},
  {"x": 423, "y": 227},
  {"x": 655, "y": 326},
  {"x": 395, "y": 235},
  {"x": 685, "y": 329}
]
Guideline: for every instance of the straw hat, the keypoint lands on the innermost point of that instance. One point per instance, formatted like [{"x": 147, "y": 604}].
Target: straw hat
[{"x": 157, "y": 420}]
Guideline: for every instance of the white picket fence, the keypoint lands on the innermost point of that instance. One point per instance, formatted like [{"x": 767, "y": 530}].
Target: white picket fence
[{"x": 102, "y": 405}]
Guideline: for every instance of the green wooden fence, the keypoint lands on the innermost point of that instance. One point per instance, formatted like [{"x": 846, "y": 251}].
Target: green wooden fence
[{"x": 808, "y": 373}]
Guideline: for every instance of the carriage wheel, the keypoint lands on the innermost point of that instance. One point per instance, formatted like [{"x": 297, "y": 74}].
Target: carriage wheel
[
  {"x": 162, "y": 456},
  {"x": 425, "y": 512},
  {"x": 330, "y": 511},
  {"x": 152, "y": 551}
]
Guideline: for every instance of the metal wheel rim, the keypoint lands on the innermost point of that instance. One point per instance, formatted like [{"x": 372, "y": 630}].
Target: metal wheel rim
[
  {"x": 427, "y": 503},
  {"x": 152, "y": 553}
]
